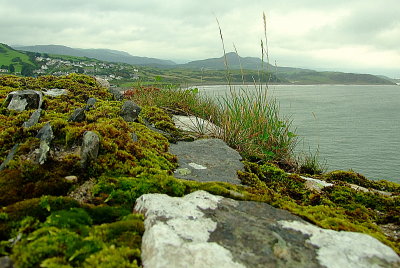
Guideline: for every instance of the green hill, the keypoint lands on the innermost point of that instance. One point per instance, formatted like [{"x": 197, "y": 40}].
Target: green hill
[
  {"x": 15, "y": 61},
  {"x": 99, "y": 54}
]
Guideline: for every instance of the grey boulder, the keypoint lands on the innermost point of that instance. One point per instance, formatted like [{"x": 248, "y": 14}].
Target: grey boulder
[
  {"x": 90, "y": 148},
  {"x": 118, "y": 96},
  {"x": 130, "y": 111},
  {"x": 45, "y": 135},
  {"x": 102, "y": 82},
  {"x": 9, "y": 157},
  {"x": 33, "y": 119},
  {"x": 78, "y": 115},
  {"x": 204, "y": 230},
  {"x": 90, "y": 104},
  {"x": 24, "y": 100}
]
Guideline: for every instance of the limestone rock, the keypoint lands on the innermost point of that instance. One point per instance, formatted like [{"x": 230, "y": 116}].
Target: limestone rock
[
  {"x": 207, "y": 160},
  {"x": 78, "y": 115},
  {"x": 203, "y": 230},
  {"x": 90, "y": 147},
  {"x": 315, "y": 184},
  {"x": 130, "y": 111},
  {"x": 45, "y": 135},
  {"x": 196, "y": 124},
  {"x": 55, "y": 92},
  {"x": 33, "y": 120},
  {"x": 24, "y": 100},
  {"x": 90, "y": 104},
  {"x": 9, "y": 157}
]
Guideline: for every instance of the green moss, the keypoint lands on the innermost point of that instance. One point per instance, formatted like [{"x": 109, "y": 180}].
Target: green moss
[
  {"x": 50, "y": 242},
  {"x": 123, "y": 257}
]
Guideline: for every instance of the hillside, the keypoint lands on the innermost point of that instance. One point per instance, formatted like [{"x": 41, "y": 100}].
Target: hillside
[
  {"x": 285, "y": 74},
  {"x": 99, "y": 54},
  {"x": 20, "y": 62},
  {"x": 314, "y": 77}
]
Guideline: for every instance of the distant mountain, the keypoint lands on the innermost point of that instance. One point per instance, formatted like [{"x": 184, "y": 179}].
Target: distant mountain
[
  {"x": 293, "y": 75},
  {"x": 314, "y": 77},
  {"x": 99, "y": 54},
  {"x": 236, "y": 62}
]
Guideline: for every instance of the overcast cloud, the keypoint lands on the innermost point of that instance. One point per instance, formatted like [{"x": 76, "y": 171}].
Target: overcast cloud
[{"x": 352, "y": 35}]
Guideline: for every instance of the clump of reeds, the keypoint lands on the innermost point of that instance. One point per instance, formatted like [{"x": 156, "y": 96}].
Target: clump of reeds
[{"x": 250, "y": 119}]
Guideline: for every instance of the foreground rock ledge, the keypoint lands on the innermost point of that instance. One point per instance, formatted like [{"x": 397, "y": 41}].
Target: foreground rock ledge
[{"x": 203, "y": 230}]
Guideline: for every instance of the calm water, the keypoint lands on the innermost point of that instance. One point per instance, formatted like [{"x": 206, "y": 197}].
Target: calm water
[{"x": 355, "y": 127}]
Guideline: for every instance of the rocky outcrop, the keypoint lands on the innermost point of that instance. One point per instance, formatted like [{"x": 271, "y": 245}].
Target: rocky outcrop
[
  {"x": 55, "y": 92},
  {"x": 24, "y": 100},
  {"x": 207, "y": 160},
  {"x": 203, "y": 230}
]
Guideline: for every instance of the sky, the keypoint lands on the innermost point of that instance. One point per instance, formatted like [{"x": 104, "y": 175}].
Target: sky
[{"x": 361, "y": 36}]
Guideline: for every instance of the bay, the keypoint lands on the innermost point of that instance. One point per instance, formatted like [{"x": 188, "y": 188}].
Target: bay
[{"x": 352, "y": 126}]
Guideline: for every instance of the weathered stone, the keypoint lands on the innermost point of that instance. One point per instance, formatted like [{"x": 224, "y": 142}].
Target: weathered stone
[
  {"x": 24, "y": 100},
  {"x": 45, "y": 135},
  {"x": 90, "y": 147},
  {"x": 9, "y": 157},
  {"x": 33, "y": 120},
  {"x": 102, "y": 82},
  {"x": 203, "y": 230},
  {"x": 118, "y": 96},
  {"x": 6, "y": 262},
  {"x": 78, "y": 115},
  {"x": 90, "y": 104},
  {"x": 196, "y": 124},
  {"x": 55, "y": 92},
  {"x": 130, "y": 111},
  {"x": 207, "y": 160},
  {"x": 315, "y": 184}
]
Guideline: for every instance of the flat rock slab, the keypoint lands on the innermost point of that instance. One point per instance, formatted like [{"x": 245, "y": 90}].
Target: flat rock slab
[
  {"x": 203, "y": 230},
  {"x": 207, "y": 160},
  {"x": 196, "y": 124}
]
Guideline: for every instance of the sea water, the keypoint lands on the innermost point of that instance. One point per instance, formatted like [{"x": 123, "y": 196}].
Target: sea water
[{"x": 353, "y": 127}]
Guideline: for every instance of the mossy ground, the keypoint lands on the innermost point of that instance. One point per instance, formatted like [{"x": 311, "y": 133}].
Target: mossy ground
[{"x": 41, "y": 226}]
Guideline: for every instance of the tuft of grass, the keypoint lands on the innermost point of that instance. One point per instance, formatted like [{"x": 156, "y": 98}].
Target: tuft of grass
[
  {"x": 310, "y": 163},
  {"x": 252, "y": 124}
]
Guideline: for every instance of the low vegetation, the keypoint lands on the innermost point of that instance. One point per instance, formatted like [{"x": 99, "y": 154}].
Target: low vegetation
[{"x": 44, "y": 224}]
